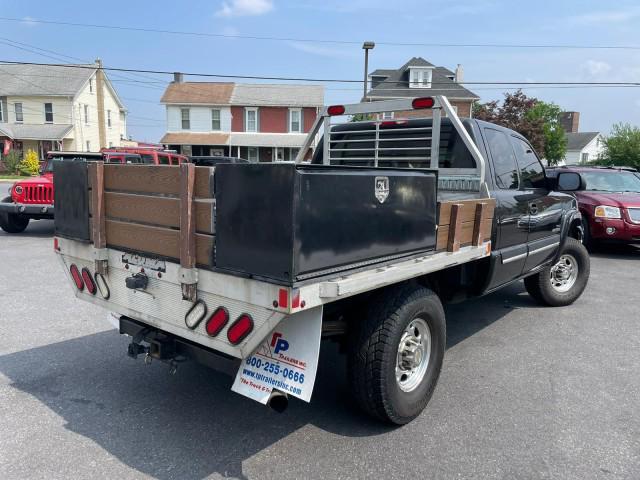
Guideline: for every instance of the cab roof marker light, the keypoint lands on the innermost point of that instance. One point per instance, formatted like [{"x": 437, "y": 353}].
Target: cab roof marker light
[
  {"x": 195, "y": 314},
  {"x": 424, "y": 102},
  {"x": 335, "y": 110},
  {"x": 102, "y": 285},
  {"x": 88, "y": 281}
]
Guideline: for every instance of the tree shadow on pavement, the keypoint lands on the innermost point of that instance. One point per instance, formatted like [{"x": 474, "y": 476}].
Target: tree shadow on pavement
[{"x": 190, "y": 425}]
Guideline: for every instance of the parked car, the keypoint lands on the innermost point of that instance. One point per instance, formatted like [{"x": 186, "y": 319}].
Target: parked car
[
  {"x": 32, "y": 198},
  {"x": 151, "y": 155},
  {"x": 201, "y": 161},
  {"x": 609, "y": 200}
]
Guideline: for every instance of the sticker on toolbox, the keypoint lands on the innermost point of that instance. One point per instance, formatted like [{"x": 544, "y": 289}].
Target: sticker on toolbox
[{"x": 287, "y": 360}]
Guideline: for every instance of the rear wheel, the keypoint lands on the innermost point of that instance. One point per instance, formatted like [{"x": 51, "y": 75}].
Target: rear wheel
[
  {"x": 11, "y": 222},
  {"x": 563, "y": 282},
  {"x": 397, "y": 352}
]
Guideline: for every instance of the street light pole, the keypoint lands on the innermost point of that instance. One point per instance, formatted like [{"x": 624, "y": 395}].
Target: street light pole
[{"x": 366, "y": 46}]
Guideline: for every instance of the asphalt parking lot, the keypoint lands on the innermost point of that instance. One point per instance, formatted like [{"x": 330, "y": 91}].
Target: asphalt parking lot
[{"x": 526, "y": 392}]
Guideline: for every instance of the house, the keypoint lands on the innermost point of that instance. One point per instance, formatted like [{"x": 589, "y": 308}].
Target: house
[
  {"x": 419, "y": 78},
  {"x": 46, "y": 108},
  {"x": 259, "y": 122},
  {"x": 583, "y": 147}
]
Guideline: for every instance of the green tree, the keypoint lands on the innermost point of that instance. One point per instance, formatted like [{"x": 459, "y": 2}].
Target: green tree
[
  {"x": 622, "y": 146},
  {"x": 30, "y": 165},
  {"x": 537, "y": 121},
  {"x": 11, "y": 162}
]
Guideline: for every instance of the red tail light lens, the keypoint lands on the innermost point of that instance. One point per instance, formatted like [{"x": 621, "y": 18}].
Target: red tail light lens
[
  {"x": 77, "y": 278},
  {"x": 217, "y": 321},
  {"x": 239, "y": 330},
  {"x": 425, "y": 102},
  {"x": 335, "y": 110},
  {"x": 88, "y": 281}
]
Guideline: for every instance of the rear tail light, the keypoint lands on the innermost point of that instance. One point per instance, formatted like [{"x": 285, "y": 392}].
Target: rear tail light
[
  {"x": 88, "y": 281},
  {"x": 77, "y": 278},
  {"x": 425, "y": 102},
  {"x": 239, "y": 330},
  {"x": 195, "y": 314},
  {"x": 217, "y": 321},
  {"x": 335, "y": 110}
]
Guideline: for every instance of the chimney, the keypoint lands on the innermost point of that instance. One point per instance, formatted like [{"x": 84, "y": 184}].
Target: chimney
[
  {"x": 570, "y": 121},
  {"x": 459, "y": 78},
  {"x": 178, "y": 77}
]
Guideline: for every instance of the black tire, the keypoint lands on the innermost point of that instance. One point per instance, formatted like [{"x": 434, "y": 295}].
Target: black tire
[
  {"x": 11, "y": 222},
  {"x": 541, "y": 288},
  {"x": 374, "y": 351}
]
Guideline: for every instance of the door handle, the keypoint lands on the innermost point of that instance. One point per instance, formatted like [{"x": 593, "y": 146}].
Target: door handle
[{"x": 533, "y": 209}]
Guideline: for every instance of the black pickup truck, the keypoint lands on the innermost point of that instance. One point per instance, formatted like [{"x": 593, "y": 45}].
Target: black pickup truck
[{"x": 362, "y": 245}]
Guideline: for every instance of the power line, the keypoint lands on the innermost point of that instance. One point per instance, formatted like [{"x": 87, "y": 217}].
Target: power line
[
  {"x": 321, "y": 41},
  {"x": 318, "y": 80}
]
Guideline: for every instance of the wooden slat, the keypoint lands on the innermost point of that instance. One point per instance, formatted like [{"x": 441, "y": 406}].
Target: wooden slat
[
  {"x": 96, "y": 174},
  {"x": 202, "y": 187},
  {"x": 468, "y": 209},
  {"x": 453, "y": 241},
  {"x": 466, "y": 234},
  {"x": 187, "y": 220},
  {"x": 143, "y": 179},
  {"x": 481, "y": 209},
  {"x": 154, "y": 210},
  {"x": 163, "y": 242}
]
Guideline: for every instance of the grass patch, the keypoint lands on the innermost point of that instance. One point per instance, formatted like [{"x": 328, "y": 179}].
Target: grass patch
[{"x": 11, "y": 177}]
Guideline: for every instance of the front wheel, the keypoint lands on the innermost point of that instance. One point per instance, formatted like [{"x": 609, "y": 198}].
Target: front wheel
[
  {"x": 11, "y": 222},
  {"x": 397, "y": 352},
  {"x": 562, "y": 283}
]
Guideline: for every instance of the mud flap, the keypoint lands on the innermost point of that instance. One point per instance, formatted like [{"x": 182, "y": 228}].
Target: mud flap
[{"x": 287, "y": 359}]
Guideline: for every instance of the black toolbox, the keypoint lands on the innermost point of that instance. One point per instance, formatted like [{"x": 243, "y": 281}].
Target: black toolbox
[{"x": 287, "y": 223}]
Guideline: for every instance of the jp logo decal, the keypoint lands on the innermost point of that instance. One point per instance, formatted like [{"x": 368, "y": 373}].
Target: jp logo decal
[
  {"x": 278, "y": 343},
  {"x": 382, "y": 188}
]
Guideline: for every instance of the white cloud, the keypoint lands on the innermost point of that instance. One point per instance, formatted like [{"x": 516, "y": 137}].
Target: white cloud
[
  {"x": 606, "y": 16},
  {"x": 29, "y": 21},
  {"x": 230, "y": 31},
  {"x": 331, "y": 52},
  {"x": 242, "y": 8},
  {"x": 596, "y": 68}
]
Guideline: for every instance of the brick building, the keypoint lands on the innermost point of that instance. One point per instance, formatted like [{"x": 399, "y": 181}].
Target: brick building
[{"x": 259, "y": 122}]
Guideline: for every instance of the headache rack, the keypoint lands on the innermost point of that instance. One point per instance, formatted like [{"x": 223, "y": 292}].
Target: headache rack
[{"x": 383, "y": 142}]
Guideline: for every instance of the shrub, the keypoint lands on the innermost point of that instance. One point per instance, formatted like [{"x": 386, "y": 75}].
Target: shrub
[
  {"x": 30, "y": 164},
  {"x": 11, "y": 161}
]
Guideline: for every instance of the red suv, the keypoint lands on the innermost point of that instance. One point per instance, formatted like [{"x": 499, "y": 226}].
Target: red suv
[{"x": 609, "y": 200}]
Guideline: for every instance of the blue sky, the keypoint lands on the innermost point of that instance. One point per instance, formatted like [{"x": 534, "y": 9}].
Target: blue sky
[{"x": 582, "y": 22}]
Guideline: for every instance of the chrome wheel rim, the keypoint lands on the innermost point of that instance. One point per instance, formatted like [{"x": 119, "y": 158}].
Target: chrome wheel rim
[
  {"x": 414, "y": 352},
  {"x": 564, "y": 273}
]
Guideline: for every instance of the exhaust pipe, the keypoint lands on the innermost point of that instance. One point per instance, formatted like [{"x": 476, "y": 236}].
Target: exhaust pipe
[{"x": 278, "y": 401}]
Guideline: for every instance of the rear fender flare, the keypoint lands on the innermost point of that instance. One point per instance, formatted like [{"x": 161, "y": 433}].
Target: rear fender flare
[{"x": 572, "y": 219}]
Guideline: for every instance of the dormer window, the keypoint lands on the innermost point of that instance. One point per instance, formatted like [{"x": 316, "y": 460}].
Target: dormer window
[{"x": 420, "y": 77}]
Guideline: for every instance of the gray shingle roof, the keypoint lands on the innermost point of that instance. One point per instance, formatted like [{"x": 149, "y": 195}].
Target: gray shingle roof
[
  {"x": 35, "y": 132},
  {"x": 397, "y": 83},
  {"x": 277, "y": 95},
  {"x": 42, "y": 80},
  {"x": 579, "y": 140}
]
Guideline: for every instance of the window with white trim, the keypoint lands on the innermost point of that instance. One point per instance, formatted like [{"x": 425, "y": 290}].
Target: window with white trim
[
  {"x": 215, "y": 119},
  {"x": 88, "y": 145},
  {"x": 1, "y": 112},
  {"x": 420, "y": 78},
  {"x": 109, "y": 118},
  {"x": 251, "y": 120},
  {"x": 293, "y": 153},
  {"x": 252, "y": 154},
  {"x": 585, "y": 157},
  {"x": 48, "y": 113},
  {"x": 18, "y": 109},
  {"x": 185, "y": 118},
  {"x": 90, "y": 86},
  {"x": 86, "y": 115},
  {"x": 295, "y": 120}
]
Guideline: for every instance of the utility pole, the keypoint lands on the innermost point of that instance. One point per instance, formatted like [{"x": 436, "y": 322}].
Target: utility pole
[
  {"x": 102, "y": 130},
  {"x": 366, "y": 46}
]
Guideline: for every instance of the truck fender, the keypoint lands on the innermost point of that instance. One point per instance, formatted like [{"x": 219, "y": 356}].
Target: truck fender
[{"x": 571, "y": 221}]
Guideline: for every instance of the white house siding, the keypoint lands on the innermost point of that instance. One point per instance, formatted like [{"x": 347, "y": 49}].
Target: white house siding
[
  {"x": 33, "y": 109},
  {"x": 118, "y": 128},
  {"x": 200, "y": 118},
  {"x": 593, "y": 148}
]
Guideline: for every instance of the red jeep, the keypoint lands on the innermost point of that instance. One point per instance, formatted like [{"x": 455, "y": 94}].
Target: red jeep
[
  {"x": 32, "y": 198},
  {"x": 609, "y": 200},
  {"x": 152, "y": 155}
]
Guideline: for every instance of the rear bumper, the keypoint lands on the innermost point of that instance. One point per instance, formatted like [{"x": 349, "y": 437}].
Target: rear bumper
[
  {"x": 43, "y": 210},
  {"x": 624, "y": 231}
]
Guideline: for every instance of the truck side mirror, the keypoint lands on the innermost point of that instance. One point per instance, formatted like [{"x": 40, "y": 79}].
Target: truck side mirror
[{"x": 569, "y": 181}]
